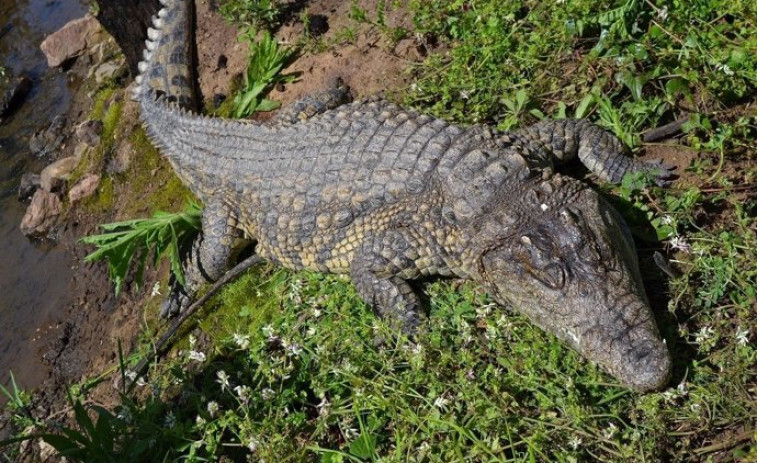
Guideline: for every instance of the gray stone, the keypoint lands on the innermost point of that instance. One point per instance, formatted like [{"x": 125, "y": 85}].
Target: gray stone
[
  {"x": 109, "y": 71},
  {"x": 29, "y": 184},
  {"x": 71, "y": 40},
  {"x": 41, "y": 215},
  {"x": 89, "y": 132},
  {"x": 46, "y": 142},
  {"x": 54, "y": 176},
  {"x": 85, "y": 188}
]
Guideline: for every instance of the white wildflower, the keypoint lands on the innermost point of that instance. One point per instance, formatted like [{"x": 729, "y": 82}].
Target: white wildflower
[
  {"x": 196, "y": 356},
  {"x": 310, "y": 332},
  {"x": 484, "y": 311},
  {"x": 441, "y": 402},
  {"x": 316, "y": 312},
  {"x": 678, "y": 243},
  {"x": 242, "y": 341},
  {"x": 155, "y": 289},
  {"x": 470, "y": 375},
  {"x": 252, "y": 444},
  {"x": 132, "y": 376},
  {"x": 742, "y": 336},
  {"x": 667, "y": 219},
  {"x": 323, "y": 407},
  {"x": 294, "y": 349},
  {"x": 243, "y": 392},
  {"x": 213, "y": 408},
  {"x": 464, "y": 94},
  {"x": 170, "y": 420},
  {"x": 704, "y": 334},
  {"x": 268, "y": 331},
  {"x": 682, "y": 390},
  {"x": 200, "y": 421},
  {"x": 125, "y": 415},
  {"x": 725, "y": 69},
  {"x": 575, "y": 442},
  {"x": 662, "y": 13},
  {"x": 267, "y": 393},
  {"x": 609, "y": 433},
  {"x": 192, "y": 340},
  {"x": 223, "y": 379}
]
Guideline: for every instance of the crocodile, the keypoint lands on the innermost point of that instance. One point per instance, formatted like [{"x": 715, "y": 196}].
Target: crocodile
[{"x": 388, "y": 195}]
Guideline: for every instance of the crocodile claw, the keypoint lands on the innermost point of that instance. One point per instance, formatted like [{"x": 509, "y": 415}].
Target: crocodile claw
[
  {"x": 175, "y": 303},
  {"x": 664, "y": 173}
]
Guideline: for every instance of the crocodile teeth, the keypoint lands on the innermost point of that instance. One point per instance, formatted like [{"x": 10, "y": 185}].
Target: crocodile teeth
[
  {"x": 147, "y": 54},
  {"x": 139, "y": 78},
  {"x": 163, "y": 13},
  {"x": 150, "y": 45},
  {"x": 157, "y": 22},
  {"x": 142, "y": 66},
  {"x": 153, "y": 34}
]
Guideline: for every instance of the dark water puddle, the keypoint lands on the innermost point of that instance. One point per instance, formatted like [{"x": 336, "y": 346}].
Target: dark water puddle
[{"x": 34, "y": 278}]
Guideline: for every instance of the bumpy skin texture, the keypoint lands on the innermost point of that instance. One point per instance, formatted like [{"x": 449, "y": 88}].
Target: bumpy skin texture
[{"x": 389, "y": 195}]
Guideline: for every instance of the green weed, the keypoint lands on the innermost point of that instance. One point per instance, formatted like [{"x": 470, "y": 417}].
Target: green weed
[
  {"x": 267, "y": 59},
  {"x": 125, "y": 241},
  {"x": 257, "y": 14}
]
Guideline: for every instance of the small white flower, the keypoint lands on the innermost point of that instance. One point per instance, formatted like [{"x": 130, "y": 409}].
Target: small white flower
[
  {"x": 725, "y": 69},
  {"x": 268, "y": 331},
  {"x": 464, "y": 94},
  {"x": 213, "y": 408},
  {"x": 316, "y": 312},
  {"x": 704, "y": 334},
  {"x": 742, "y": 336},
  {"x": 610, "y": 431},
  {"x": 125, "y": 415},
  {"x": 223, "y": 379},
  {"x": 294, "y": 349},
  {"x": 242, "y": 341},
  {"x": 667, "y": 219},
  {"x": 484, "y": 311},
  {"x": 252, "y": 444},
  {"x": 662, "y": 13},
  {"x": 575, "y": 442},
  {"x": 132, "y": 375},
  {"x": 170, "y": 420},
  {"x": 682, "y": 390},
  {"x": 323, "y": 407},
  {"x": 678, "y": 243},
  {"x": 441, "y": 402},
  {"x": 155, "y": 289},
  {"x": 196, "y": 356},
  {"x": 267, "y": 393},
  {"x": 243, "y": 392},
  {"x": 192, "y": 340},
  {"x": 310, "y": 332},
  {"x": 200, "y": 421}
]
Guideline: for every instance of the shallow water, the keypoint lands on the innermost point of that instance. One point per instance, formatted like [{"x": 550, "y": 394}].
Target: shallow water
[{"x": 34, "y": 278}]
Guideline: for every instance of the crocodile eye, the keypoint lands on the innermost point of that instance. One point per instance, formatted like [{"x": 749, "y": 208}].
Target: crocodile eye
[{"x": 551, "y": 276}]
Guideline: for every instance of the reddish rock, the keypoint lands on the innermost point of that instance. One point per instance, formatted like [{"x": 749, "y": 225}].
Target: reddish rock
[
  {"x": 85, "y": 188},
  {"x": 41, "y": 215},
  {"x": 71, "y": 40}
]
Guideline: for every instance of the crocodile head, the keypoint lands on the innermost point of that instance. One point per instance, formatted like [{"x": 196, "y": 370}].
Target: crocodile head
[{"x": 574, "y": 272}]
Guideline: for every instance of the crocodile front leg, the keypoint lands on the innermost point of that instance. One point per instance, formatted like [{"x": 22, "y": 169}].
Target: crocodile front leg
[
  {"x": 599, "y": 150},
  {"x": 374, "y": 273},
  {"x": 211, "y": 255}
]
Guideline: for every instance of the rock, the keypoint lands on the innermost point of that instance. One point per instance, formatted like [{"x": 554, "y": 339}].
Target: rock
[
  {"x": 47, "y": 141},
  {"x": 14, "y": 97},
  {"x": 54, "y": 176},
  {"x": 71, "y": 40},
  {"x": 110, "y": 70},
  {"x": 41, "y": 215},
  {"x": 85, "y": 188},
  {"x": 89, "y": 132},
  {"x": 81, "y": 149},
  {"x": 408, "y": 49},
  {"x": 29, "y": 184}
]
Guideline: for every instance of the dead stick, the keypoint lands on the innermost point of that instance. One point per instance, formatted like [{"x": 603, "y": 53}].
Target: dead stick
[
  {"x": 664, "y": 131},
  {"x": 162, "y": 345}
]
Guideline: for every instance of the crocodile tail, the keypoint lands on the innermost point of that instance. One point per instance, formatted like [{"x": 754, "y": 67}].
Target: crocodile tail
[{"x": 167, "y": 67}]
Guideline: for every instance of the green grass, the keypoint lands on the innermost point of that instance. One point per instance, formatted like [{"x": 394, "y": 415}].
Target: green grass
[{"x": 285, "y": 368}]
